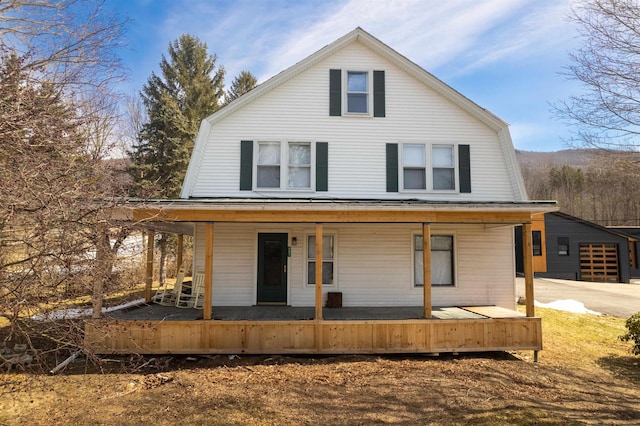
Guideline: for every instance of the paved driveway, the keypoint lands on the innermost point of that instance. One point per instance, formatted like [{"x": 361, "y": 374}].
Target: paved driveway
[{"x": 620, "y": 300}]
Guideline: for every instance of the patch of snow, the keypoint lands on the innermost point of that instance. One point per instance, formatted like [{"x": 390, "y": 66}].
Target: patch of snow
[
  {"x": 568, "y": 305},
  {"x": 77, "y": 313}
]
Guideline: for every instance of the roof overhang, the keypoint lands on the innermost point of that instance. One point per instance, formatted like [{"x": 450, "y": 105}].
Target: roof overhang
[{"x": 332, "y": 211}]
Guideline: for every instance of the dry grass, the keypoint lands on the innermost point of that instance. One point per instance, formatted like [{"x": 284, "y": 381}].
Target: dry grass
[{"x": 585, "y": 376}]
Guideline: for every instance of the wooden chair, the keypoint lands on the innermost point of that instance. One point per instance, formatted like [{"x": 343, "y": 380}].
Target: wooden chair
[
  {"x": 192, "y": 295},
  {"x": 167, "y": 297}
]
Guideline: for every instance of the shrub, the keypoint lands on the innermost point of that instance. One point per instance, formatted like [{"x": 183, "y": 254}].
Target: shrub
[{"x": 633, "y": 325}]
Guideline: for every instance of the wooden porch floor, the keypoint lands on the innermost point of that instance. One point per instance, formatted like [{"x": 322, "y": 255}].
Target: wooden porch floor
[{"x": 155, "y": 312}]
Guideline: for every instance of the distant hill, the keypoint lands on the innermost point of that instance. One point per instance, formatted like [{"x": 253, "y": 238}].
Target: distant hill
[{"x": 604, "y": 189}]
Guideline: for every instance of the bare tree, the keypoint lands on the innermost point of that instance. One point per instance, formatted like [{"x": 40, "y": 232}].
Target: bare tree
[
  {"x": 607, "y": 66},
  {"x": 55, "y": 188},
  {"x": 132, "y": 120},
  {"x": 101, "y": 119},
  {"x": 71, "y": 42}
]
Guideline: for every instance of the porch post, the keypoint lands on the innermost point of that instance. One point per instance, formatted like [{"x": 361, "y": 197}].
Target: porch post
[
  {"x": 318, "y": 271},
  {"x": 426, "y": 268},
  {"x": 208, "y": 272},
  {"x": 528, "y": 267},
  {"x": 149, "y": 277},
  {"x": 179, "y": 251}
]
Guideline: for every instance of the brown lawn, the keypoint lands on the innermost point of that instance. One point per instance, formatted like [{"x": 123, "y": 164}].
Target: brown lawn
[{"x": 585, "y": 376}]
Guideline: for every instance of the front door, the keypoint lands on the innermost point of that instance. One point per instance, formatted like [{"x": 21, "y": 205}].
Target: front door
[{"x": 272, "y": 269}]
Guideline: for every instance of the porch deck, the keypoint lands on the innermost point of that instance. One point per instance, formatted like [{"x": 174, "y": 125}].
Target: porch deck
[
  {"x": 155, "y": 329},
  {"x": 155, "y": 312}
]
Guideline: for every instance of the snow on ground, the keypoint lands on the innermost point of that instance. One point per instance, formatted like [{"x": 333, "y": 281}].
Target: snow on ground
[
  {"x": 567, "y": 305},
  {"x": 76, "y": 313}
]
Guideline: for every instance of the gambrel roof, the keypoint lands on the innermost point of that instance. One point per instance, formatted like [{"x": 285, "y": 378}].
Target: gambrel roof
[{"x": 412, "y": 69}]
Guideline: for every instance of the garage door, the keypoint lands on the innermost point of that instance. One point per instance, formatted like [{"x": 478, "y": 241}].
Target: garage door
[{"x": 599, "y": 262}]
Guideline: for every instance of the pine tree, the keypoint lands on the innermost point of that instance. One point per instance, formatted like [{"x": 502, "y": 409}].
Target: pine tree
[
  {"x": 189, "y": 89},
  {"x": 243, "y": 83}
]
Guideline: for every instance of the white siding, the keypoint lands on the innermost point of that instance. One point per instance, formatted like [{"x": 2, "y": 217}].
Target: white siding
[
  {"x": 233, "y": 264},
  {"x": 374, "y": 265},
  {"x": 298, "y": 111}
]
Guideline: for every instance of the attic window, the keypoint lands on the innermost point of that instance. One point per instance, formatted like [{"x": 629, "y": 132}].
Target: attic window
[{"x": 357, "y": 92}]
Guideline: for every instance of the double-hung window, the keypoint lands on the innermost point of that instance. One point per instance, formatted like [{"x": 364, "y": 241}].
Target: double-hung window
[
  {"x": 415, "y": 161},
  {"x": 357, "y": 92},
  {"x": 284, "y": 165},
  {"x": 443, "y": 167},
  {"x": 328, "y": 259},
  {"x": 269, "y": 155},
  {"x": 414, "y": 166},
  {"x": 299, "y": 170},
  {"x": 442, "y": 270}
]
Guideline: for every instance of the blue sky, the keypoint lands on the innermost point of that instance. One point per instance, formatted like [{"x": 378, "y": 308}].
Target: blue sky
[{"x": 505, "y": 55}]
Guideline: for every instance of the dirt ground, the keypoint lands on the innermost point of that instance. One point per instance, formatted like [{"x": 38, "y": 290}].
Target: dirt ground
[{"x": 585, "y": 376}]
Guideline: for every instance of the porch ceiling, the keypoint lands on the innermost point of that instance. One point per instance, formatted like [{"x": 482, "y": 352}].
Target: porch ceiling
[{"x": 334, "y": 211}]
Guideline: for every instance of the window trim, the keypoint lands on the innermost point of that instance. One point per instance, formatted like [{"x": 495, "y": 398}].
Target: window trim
[
  {"x": 454, "y": 260},
  {"x": 428, "y": 150},
  {"x": 345, "y": 92},
  {"x": 325, "y": 233},
  {"x": 284, "y": 166}
]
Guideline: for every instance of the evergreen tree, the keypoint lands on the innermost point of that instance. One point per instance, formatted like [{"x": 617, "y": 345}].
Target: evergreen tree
[
  {"x": 189, "y": 89},
  {"x": 244, "y": 82}
]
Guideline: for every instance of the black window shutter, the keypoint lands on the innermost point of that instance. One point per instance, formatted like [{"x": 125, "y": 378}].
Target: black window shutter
[
  {"x": 378, "y": 94},
  {"x": 335, "y": 92},
  {"x": 464, "y": 168},
  {"x": 322, "y": 166},
  {"x": 392, "y": 167},
  {"x": 246, "y": 165}
]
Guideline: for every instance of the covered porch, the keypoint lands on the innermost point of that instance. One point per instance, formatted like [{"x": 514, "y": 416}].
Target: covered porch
[{"x": 317, "y": 329}]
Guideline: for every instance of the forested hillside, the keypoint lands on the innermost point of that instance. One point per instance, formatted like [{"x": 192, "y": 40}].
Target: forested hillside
[{"x": 603, "y": 187}]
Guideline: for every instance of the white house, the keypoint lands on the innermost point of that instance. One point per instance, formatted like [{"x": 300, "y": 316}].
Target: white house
[{"x": 358, "y": 144}]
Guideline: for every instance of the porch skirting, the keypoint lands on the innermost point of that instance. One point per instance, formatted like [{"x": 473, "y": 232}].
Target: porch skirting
[{"x": 313, "y": 336}]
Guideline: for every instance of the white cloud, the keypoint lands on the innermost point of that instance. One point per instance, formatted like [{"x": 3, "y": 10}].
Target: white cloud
[
  {"x": 538, "y": 31},
  {"x": 454, "y": 37},
  {"x": 435, "y": 34}
]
